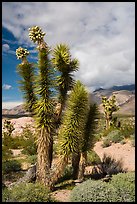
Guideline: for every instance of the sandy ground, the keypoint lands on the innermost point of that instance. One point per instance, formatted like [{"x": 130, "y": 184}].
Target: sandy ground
[
  {"x": 124, "y": 152},
  {"x": 118, "y": 151}
]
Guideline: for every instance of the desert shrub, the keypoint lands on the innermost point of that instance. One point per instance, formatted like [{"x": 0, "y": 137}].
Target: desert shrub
[
  {"x": 106, "y": 142},
  {"x": 121, "y": 188},
  {"x": 28, "y": 192},
  {"x": 32, "y": 159},
  {"x": 67, "y": 174},
  {"x": 7, "y": 140},
  {"x": 127, "y": 129},
  {"x": 92, "y": 158},
  {"x": 105, "y": 132},
  {"x": 3, "y": 185},
  {"x": 5, "y": 195},
  {"x": 16, "y": 142},
  {"x": 114, "y": 136},
  {"x": 93, "y": 191},
  {"x": 28, "y": 141},
  {"x": 132, "y": 138},
  {"x": 125, "y": 186},
  {"x": 108, "y": 166},
  {"x": 10, "y": 166},
  {"x": 123, "y": 142}
]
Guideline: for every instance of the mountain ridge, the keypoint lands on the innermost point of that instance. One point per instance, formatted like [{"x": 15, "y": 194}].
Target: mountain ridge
[
  {"x": 128, "y": 87},
  {"x": 125, "y": 97}
]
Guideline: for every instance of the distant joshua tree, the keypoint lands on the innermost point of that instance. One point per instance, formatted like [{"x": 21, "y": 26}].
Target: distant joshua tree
[
  {"x": 109, "y": 108},
  {"x": 54, "y": 75}
]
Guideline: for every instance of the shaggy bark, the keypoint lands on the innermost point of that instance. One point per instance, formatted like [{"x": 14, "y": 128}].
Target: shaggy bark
[
  {"x": 75, "y": 165},
  {"x": 82, "y": 165},
  {"x": 59, "y": 170},
  {"x": 43, "y": 163}
]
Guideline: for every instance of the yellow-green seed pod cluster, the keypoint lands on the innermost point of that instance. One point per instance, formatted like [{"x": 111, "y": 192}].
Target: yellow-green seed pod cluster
[
  {"x": 36, "y": 34},
  {"x": 21, "y": 53}
]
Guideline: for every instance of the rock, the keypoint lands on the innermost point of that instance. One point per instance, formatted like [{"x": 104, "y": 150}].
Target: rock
[{"x": 29, "y": 176}]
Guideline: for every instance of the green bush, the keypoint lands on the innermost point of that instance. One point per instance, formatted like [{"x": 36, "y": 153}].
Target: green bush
[
  {"x": 10, "y": 166},
  {"x": 27, "y": 192},
  {"x": 67, "y": 174},
  {"x": 106, "y": 143},
  {"x": 127, "y": 129},
  {"x": 5, "y": 195},
  {"x": 125, "y": 186},
  {"x": 28, "y": 141},
  {"x": 16, "y": 142},
  {"x": 114, "y": 136},
  {"x": 92, "y": 158},
  {"x": 132, "y": 138},
  {"x": 32, "y": 159},
  {"x": 93, "y": 191},
  {"x": 121, "y": 188}
]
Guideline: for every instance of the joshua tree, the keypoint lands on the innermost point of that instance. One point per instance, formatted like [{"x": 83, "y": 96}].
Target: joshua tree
[
  {"x": 89, "y": 138},
  {"x": 79, "y": 160},
  {"x": 75, "y": 130},
  {"x": 76, "y": 134},
  {"x": 109, "y": 108},
  {"x": 72, "y": 129},
  {"x": 38, "y": 94}
]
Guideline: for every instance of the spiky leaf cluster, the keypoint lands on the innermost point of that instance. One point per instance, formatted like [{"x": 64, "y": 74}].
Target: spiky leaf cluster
[
  {"x": 71, "y": 131},
  {"x": 21, "y": 53},
  {"x": 65, "y": 66},
  {"x": 36, "y": 34},
  {"x": 45, "y": 83},
  {"x": 91, "y": 124},
  {"x": 27, "y": 85}
]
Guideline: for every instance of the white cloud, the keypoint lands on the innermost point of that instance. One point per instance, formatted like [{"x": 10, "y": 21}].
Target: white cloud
[
  {"x": 100, "y": 34},
  {"x": 5, "y": 47},
  {"x": 6, "y": 86},
  {"x": 10, "y": 104}
]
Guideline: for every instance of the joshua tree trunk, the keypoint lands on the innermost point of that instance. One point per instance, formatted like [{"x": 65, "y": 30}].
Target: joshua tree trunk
[
  {"x": 60, "y": 167},
  {"x": 43, "y": 166},
  {"x": 82, "y": 165},
  {"x": 107, "y": 122},
  {"x": 75, "y": 164},
  {"x": 51, "y": 150}
]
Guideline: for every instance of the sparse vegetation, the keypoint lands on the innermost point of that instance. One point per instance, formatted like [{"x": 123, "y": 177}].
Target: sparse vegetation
[
  {"x": 93, "y": 158},
  {"x": 26, "y": 192},
  {"x": 114, "y": 136},
  {"x": 121, "y": 188},
  {"x": 10, "y": 166},
  {"x": 28, "y": 141}
]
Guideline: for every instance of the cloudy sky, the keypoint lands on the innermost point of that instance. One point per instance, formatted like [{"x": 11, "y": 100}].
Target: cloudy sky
[{"x": 101, "y": 35}]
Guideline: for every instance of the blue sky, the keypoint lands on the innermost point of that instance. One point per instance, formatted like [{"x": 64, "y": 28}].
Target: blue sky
[{"x": 101, "y": 35}]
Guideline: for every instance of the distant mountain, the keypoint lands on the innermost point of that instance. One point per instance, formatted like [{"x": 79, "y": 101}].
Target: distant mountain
[
  {"x": 18, "y": 110},
  {"x": 130, "y": 87},
  {"x": 125, "y": 96}
]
